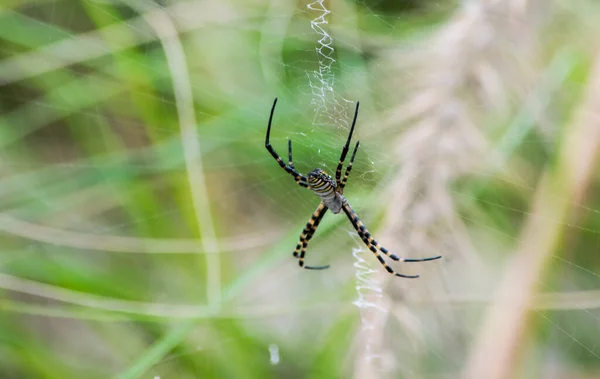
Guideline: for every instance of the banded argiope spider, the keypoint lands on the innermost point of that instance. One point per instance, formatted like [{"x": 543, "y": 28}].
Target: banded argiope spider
[{"x": 331, "y": 194}]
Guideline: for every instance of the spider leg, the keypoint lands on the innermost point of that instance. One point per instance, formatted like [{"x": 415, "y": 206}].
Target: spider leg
[
  {"x": 290, "y": 163},
  {"x": 338, "y": 171},
  {"x": 374, "y": 246},
  {"x": 307, "y": 233},
  {"x": 348, "y": 169},
  {"x": 307, "y": 239},
  {"x": 300, "y": 179}
]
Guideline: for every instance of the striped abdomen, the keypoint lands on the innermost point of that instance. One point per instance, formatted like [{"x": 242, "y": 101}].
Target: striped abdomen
[{"x": 324, "y": 186}]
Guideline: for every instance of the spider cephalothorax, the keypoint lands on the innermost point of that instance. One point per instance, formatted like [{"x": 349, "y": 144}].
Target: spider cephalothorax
[{"x": 330, "y": 191}]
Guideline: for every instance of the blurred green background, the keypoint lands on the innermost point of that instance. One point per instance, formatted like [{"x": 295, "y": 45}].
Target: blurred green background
[{"x": 146, "y": 232}]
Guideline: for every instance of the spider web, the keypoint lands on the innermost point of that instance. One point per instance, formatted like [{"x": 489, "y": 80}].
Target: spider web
[
  {"x": 330, "y": 107},
  {"x": 331, "y": 110},
  {"x": 99, "y": 189}
]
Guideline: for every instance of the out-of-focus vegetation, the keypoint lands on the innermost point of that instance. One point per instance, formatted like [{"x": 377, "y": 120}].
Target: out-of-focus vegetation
[{"x": 145, "y": 231}]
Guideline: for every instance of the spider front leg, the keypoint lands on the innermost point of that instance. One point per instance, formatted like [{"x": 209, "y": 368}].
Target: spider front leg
[
  {"x": 375, "y": 247},
  {"x": 338, "y": 171},
  {"x": 348, "y": 169},
  {"x": 300, "y": 179},
  {"x": 307, "y": 233}
]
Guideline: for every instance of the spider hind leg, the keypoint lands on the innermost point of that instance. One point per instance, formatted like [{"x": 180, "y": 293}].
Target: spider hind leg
[
  {"x": 385, "y": 265},
  {"x": 375, "y": 247},
  {"x": 316, "y": 267},
  {"x": 307, "y": 233}
]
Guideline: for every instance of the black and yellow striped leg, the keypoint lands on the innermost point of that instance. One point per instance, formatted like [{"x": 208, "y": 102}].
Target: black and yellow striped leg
[
  {"x": 307, "y": 239},
  {"x": 348, "y": 169},
  {"x": 307, "y": 233},
  {"x": 364, "y": 233},
  {"x": 300, "y": 179},
  {"x": 290, "y": 163},
  {"x": 338, "y": 171},
  {"x": 374, "y": 246}
]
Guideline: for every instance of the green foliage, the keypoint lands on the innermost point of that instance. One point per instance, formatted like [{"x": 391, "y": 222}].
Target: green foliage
[{"x": 125, "y": 255}]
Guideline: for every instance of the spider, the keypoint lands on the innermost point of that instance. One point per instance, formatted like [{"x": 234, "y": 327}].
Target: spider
[{"x": 331, "y": 194}]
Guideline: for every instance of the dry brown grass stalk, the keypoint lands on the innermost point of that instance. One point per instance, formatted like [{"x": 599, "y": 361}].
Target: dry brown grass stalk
[
  {"x": 469, "y": 68},
  {"x": 505, "y": 329}
]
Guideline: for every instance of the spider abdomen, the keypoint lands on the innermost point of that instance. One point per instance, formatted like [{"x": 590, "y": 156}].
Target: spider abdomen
[{"x": 324, "y": 186}]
